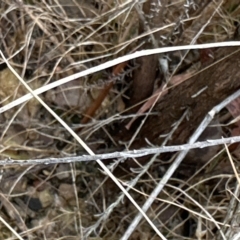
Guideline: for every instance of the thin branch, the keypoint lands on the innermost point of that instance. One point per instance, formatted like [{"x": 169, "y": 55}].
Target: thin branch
[
  {"x": 177, "y": 162},
  {"x": 111, "y": 64},
  {"x": 85, "y": 146},
  {"x": 10, "y": 228},
  {"x": 123, "y": 154}
]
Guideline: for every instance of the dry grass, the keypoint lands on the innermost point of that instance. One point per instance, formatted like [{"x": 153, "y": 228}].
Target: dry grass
[{"x": 45, "y": 41}]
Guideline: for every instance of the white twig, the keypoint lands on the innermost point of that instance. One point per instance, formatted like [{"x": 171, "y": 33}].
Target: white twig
[
  {"x": 10, "y": 228},
  {"x": 85, "y": 146},
  {"x": 111, "y": 64},
  {"x": 123, "y": 154},
  {"x": 130, "y": 186},
  {"x": 177, "y": 162},
  {"x": 232, "y": 216}
]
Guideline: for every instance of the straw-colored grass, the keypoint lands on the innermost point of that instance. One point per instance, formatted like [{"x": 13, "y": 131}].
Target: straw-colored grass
[{"x": 52, "y": 39}]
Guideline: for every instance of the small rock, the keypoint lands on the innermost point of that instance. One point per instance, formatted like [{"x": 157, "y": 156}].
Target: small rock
[
  {"x": 63, "y": 171},
  {"x": 33, "y": 203},
  {"x": 66, "y": 191},
  {"x": 46, "y": 198}
]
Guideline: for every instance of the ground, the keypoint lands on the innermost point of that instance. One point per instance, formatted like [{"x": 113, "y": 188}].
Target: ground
[{"x": 142, "y": 103}]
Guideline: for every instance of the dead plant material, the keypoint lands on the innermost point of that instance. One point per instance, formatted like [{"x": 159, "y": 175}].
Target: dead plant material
[
  {"x": 199, "y": 94},
  {"x": 51, "y": 39},
  {"x": 144, "y": 77},
  {"x": 158, "y": 94},
  {"x": 98, "y": 101},
  {"x": 206, "y": 11}
]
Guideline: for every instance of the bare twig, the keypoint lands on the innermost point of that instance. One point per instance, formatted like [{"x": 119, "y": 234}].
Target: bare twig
[
  {"x": 124, "y": 154},
  {"x": 232, "y": 216},
  {"x": 85, "y": 146},
  {"x": 177, "y": 162},
  {"x": 10, "y": 228},
  {"x": 111, "y": 64}
]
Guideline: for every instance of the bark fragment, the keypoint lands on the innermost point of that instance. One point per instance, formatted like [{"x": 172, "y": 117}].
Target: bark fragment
[
  {"x": 218, "y": 81},
  {"x": 144, "y": 77}
]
